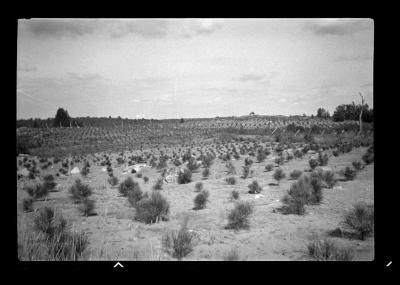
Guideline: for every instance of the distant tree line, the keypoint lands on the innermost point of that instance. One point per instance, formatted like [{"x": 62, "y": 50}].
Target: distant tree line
[
  {"x": 348, "y": 112},
  {"x": 352, "y": 112}
]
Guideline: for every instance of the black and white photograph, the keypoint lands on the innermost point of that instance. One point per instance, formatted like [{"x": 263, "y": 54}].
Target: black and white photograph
[{"x": 195, "y": 139}]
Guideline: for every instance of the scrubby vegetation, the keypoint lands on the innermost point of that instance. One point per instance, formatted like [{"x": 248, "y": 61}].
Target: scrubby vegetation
[
  {"x": 238, "y": 218},
  {"x": 361, "y": 219},
  {"x": 254, "y": 187},
  {"x": 180, "y": 243},
  {"x": 184, "y": 176},
  {"x": 327, "y": 250},
  {"x": 152, "y": 209},
  {"x": 201, "y": 200}
]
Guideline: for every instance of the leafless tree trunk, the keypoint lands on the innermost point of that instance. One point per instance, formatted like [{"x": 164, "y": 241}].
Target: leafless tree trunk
[{"x": 362, "y": 107}]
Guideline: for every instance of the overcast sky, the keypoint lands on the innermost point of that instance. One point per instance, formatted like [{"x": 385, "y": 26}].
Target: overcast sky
[{"x": 173, "y": 68}]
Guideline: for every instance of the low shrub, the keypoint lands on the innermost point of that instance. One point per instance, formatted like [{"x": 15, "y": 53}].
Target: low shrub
[
  {"x": 279, "y": 160},
  {"x": 246, "y": 171},
  {"x": 323, "y": 159},
  {"x": 357, "y": 165},
  {"x": 146, "y": 179},
  {"x": 60, "y": 242},
  {"x": 184, "y": 176},
  {"x": 261, "y": 156},
  {"x": 126, "y": 186},
  {"x": 368, "y": 157},
  {"x": 159, "y": 184},
  {"x": 87, "y": 207},
  {"x": 235, "y": 195},
  {"x": 27, "y": 204},
  {"x": 232, "y": 255},
  {"x": 198, "y": 186},
  {"x": 295, "y": 174},
  {"x": 206, "y": 172},
  {"x": 79, "y": 191},
  {"x": 349, "y": 173},
  {"x": 201, "y": 200},
  {"x": 292, "y": 205},
  {"x": 152, "y": 209},
  {"x": 38, "y": 190},
  {"x": 230, "y": 169},
  {"x": 230, "y": 180},
  {"x": 313, "y": 163},
  {"x": 238, "y": 218},
  {"x": 180, "y": 243},
  {"x": 326, "y": 250},
  {"x": 269, "y": 167},
  {"x": 279, "y": 175},
  {"x": 254, "y": 187},
  {"x": 112, "y": 180},
  {"x": 360, "y": 219}
]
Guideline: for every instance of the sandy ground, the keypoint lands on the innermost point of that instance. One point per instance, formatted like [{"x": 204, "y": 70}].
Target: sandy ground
[{"x": 114, "y": 235}]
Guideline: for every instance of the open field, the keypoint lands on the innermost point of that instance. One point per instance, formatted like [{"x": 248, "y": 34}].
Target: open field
[{"x": 115, "y": 234}]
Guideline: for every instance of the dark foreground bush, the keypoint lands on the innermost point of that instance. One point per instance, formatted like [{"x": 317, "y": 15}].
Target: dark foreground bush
[
  {"x": 349, "y": 173},
  {"x": 360, "y": 219},
  {"x": 295, "y": 174},
  {"x": 60, "y": 243},
  {"x": 238, "y": 218},
  {"x": 87, "y": 207},
  {"x": 368, "y": 158},
  {"x": 269, "y": 167},
  {"x": 292, "y": 205},
  {"x": 152, "y": 209},
  {"x": 326, "y": 250},
  {"x": 206, "y": 172},
  {"x": 79, "y": 191},
  {"x": 254, "y": 187},
  {"x": 232, "y": 255},
  {"x": 27, "y": 204},
  {"x": 198, "y": 187},
  {"x": 357, "y": 165},
  {"x": 230, "y": 180},
  {"x": 313, "y": 163},
  {"x": 323, "y": 159},
  {"x": 48, "y": 182},
  {"x": 38, "y": 190},
  {"x": 127, "y": 186},
  {"x": 201, "y": 200},
  {"x": 159, "y": 184},
  {"x": 235, "y": 195},
  {"x": 184, "y": 176},
  {"x": 180, "y": 243},
  {"x": 279, "y": 175}
]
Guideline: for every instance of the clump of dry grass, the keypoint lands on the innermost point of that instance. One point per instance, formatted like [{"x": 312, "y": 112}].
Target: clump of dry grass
[
  {"x": 51, "y": 239},
  {"x": 180, "y": 243},
  {"x": 326, "y": 250}
]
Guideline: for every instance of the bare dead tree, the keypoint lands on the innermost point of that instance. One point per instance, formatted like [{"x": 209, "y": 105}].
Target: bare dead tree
[{"x": 362, "y": 107}]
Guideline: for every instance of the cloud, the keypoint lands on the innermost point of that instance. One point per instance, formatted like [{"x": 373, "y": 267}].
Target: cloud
[
  {"x": 27, "y": 68},
  {"x": 257, "y": 78},
  {"x": 146, "y": 28},
  {"x": 85, "y": 77},
  {"x": 365, "y": 56},
  {"x": 338, "y": 27},
  {"x": 59, "y": 27},
  {"x": 249, "y": 77},
  {"x": 194, "y": 27},
  {"x": 118, "y": 28}
]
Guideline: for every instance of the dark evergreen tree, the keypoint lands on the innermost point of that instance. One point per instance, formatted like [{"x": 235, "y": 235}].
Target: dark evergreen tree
[{"x": 62, "y": 118}]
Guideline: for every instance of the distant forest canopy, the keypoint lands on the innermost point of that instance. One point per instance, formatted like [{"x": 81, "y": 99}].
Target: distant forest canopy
[{"x": 342, "y": 112}]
